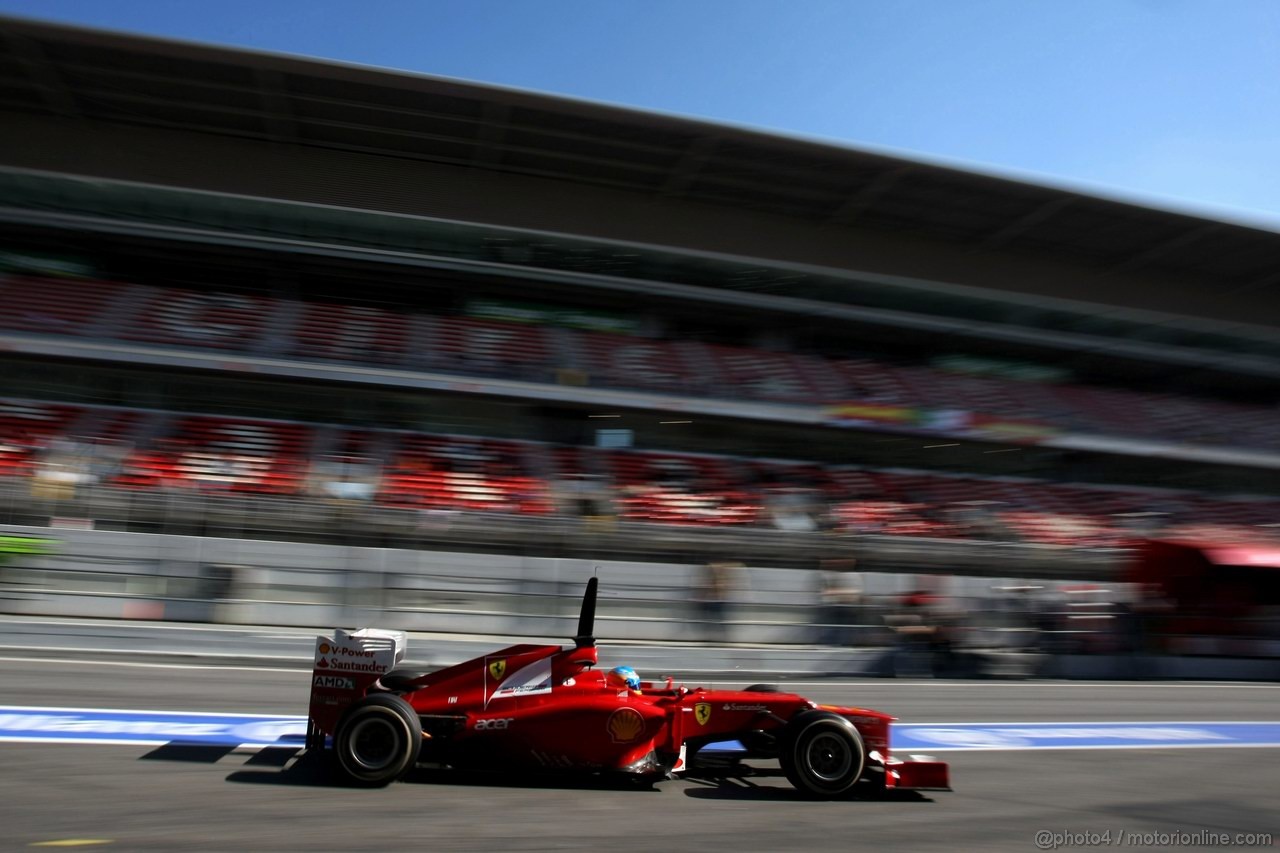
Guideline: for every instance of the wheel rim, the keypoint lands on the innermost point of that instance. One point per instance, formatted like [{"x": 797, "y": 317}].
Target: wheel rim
[
  {"x": 829, "y": 757},
  {"x": 373, "y": 743}
]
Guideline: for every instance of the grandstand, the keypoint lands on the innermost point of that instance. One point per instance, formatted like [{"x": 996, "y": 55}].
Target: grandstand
[{"x": 241, "y": 276}]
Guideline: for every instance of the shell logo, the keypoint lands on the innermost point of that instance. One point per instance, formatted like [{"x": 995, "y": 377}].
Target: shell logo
[
  {"x": 324, "y": 649},
  {"x": 625, "y": 725}
]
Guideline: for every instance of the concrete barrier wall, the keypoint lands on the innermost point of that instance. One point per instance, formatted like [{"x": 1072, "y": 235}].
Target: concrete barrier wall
[{"x": 255, "y": 582}]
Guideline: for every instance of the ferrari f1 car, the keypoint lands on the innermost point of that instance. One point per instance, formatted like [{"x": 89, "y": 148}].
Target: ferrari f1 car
[{"x": 546, "y": 708}]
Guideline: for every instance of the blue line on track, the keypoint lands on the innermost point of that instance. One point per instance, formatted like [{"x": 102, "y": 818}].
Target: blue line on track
[
  {"x": 18, "y": 723},
  {"x": 979, "y": 736},
  {"x": 101, "y": 726},
  {"x": 956, "y": 737}
]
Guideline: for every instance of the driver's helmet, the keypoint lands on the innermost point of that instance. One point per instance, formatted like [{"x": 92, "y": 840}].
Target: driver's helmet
[{"x": 623, "y": 676}]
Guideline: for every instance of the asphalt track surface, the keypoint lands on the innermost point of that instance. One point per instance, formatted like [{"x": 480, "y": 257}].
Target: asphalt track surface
[{"x": 148, "y": 798}]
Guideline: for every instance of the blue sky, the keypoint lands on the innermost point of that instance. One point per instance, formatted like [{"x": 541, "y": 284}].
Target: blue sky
[{"x": 1171, "y": 102}]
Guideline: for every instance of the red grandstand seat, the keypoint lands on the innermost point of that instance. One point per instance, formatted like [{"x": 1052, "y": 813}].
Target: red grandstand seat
[
  {"x": 223, "y": 454},
  {"x": 764, "y": 375},
  {"x": 490, "y": 347},
  {"x": 461, "y": 473},
  {"x": 626, "y": 361},
  {"x": 28, "y": 427},
  {"x": 222, "y": 320},
  {"x": 53, "y": 306},
  {"x": 350, "y": 333}
]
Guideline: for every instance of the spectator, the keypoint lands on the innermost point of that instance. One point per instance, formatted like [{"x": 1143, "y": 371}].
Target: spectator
[
  {"x": 914, "y": 630},
  {"x": 346, "y": 478},
  {"x": 791, "y": 509},
  {"x": 712, "y": 598},
  {"x": 840, "y": 600}
]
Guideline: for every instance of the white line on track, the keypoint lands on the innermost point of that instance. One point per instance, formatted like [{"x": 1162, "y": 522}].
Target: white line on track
[
  {"x": 116, "y": 623},
  {"x": 254, "y": 715},
  {"x": 107, "y": 741},
  {"x": 971, "y": 724},
  {"x": 241, "y": 748},
  {"x": 494, "y": 640},
  {"x": 781, "y": 683},
  {"x": 925, "y": 750},
  {"x": 98, "y": 650},
  {"x": 871, "y": 681},
  {"x": 143, "y": 665}
]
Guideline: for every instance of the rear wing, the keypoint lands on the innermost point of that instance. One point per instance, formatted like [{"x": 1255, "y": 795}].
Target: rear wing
[{"x": 346, "y": 666}]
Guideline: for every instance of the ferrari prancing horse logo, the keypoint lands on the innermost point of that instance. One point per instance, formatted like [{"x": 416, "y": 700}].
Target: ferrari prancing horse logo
[
  {"x": 702, "y": 712},
  {"x": 498, "y": 669}
]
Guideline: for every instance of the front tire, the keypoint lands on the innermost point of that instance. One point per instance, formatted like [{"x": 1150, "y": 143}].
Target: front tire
[
  {"x": 822, "y": 754},
  {"x": 378, "y": 740}
]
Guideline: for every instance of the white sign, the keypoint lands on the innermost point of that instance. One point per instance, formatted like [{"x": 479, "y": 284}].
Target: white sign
[{"x": 527, "y": 681}]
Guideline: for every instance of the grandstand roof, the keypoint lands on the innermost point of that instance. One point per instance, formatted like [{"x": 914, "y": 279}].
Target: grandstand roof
[{"x": 99, "y": 75}]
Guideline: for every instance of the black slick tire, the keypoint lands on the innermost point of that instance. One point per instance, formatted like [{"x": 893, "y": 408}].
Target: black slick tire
[
  {"x": 822, "y": 754},
  {"x": 378, "y": 740}
]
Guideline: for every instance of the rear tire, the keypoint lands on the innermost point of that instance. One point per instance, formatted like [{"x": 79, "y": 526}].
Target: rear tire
[
  {"x": 378, "y": 740},
  {"x": 822, "y": 754}
]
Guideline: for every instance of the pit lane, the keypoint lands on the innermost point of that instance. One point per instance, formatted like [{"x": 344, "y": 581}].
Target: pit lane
[{"x": 144, "y": 798}]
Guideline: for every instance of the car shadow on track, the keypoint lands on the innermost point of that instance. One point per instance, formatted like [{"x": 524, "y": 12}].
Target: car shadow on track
[
  {"x": 551, "y": 781},
  {"x": 194, "y": 753},
  {"x": 280, "y": 765},
  {"x": 308, "y": 770},
  {"x": 314, "y": 769},
  {"x": 734, "y": 788},
  {"x": 288, "y": 765},
  {"x": 746, "y": 789}
]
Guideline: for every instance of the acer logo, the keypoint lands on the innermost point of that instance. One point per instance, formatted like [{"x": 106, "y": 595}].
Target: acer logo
[{"x": 494, "y": 724}]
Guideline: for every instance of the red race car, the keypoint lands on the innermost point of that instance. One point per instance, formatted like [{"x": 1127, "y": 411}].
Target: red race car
[{"x": 545, "y": 708}]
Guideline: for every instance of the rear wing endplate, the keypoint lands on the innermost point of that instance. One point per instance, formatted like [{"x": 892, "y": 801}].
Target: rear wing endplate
[{"x": 346, "y": 666}]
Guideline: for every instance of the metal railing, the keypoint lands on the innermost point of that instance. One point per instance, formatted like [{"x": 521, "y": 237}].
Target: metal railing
[
  {"x": 268, "y": 582},
  {"x": 360, "y": 523},
  {"x": 262, "y": 582}
]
